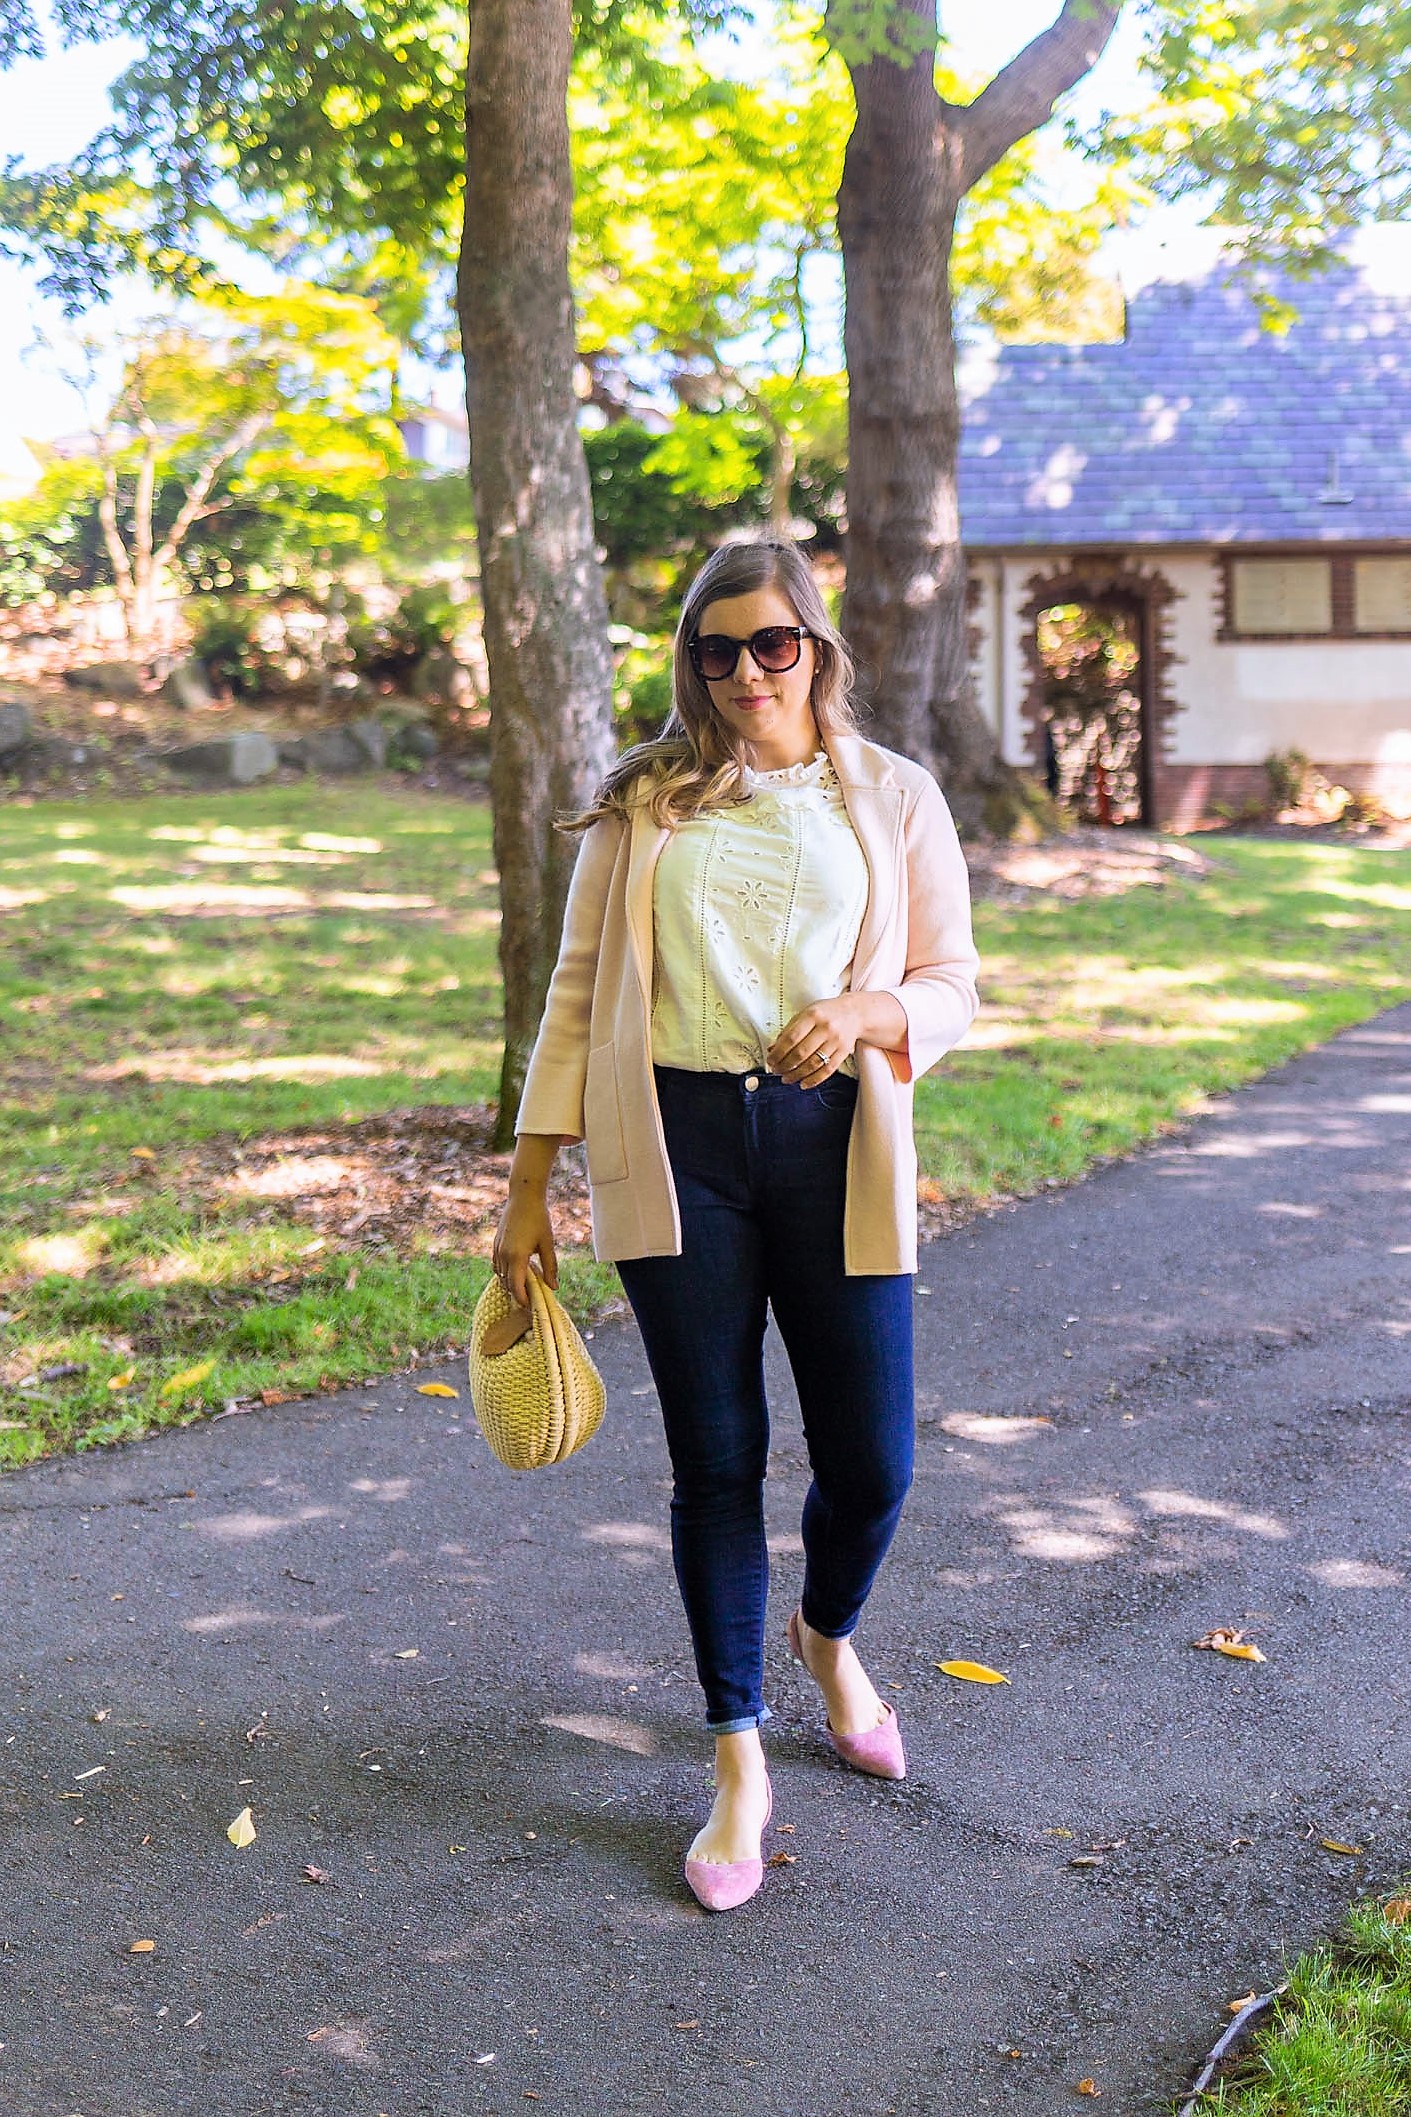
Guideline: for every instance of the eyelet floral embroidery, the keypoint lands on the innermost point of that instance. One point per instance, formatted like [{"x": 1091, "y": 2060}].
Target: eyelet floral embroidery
[{"x": 756, "y": 912}]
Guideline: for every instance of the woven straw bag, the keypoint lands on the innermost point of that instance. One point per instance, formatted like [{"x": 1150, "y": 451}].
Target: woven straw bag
[{"x": 536, "y": 1392}]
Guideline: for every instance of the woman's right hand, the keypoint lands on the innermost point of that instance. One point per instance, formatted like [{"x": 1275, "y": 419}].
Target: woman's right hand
[{"x": 526, "y": 1229}]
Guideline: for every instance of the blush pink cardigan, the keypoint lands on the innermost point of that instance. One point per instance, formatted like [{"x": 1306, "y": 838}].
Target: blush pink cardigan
[{"x": 590, "y": 1075}]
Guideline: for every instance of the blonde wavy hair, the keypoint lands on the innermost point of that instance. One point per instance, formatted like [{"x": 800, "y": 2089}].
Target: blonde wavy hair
[{"x": 698, "y": 761}]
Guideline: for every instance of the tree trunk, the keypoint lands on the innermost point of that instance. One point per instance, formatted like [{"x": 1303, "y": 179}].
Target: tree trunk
[
  {"x": 909, "y": 162},
  {"x": 546, "y": 611}
]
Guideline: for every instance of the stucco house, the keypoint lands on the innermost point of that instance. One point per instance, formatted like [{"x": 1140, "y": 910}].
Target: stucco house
[{"x": 1244, "y": 494}]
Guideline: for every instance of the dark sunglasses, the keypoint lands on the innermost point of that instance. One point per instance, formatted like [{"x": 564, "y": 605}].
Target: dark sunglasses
[{"x": 775, "y": 648}]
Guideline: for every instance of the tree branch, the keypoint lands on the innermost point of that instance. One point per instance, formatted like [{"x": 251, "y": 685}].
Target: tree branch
[
  {"x": 193, "y": 506},
  {"x": 1022, "y": 96}
]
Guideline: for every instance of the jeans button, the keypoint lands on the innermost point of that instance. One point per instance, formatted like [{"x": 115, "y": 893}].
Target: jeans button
[{"x": 752, "y": 1082}]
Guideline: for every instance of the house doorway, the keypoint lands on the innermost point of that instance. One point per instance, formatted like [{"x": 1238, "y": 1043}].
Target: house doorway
[{"x": 1093, "y": 711}]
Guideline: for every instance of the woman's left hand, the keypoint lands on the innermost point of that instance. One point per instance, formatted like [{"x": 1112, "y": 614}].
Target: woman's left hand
[{"x": 809, "y": 1049}]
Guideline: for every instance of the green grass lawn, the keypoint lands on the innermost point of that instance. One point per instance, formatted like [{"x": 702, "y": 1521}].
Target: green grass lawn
[
  {"x": 1338, "y": 2042},
  {"x": 184, "y": 974}
]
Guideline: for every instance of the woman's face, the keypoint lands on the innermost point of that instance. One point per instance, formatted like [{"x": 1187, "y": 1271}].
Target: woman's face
[{"x": 770, "y": 709}]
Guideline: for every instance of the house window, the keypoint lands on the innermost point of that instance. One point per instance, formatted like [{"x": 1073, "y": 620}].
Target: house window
[
  {"x": 1381, "y": 595},
  {"x": 1282, "y": 596},
  {"x": 1343, "y": 595}
]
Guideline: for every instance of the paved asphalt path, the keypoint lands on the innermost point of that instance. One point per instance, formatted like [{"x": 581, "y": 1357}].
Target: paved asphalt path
[{"x": 1173, "y": 1397}]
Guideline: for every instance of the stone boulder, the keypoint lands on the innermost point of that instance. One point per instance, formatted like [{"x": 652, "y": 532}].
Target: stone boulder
[
  {"x": 359, "y": 747},
  {"x": 372, "y": 737},
  {"x": 16, "y": 728},
  {"x": 335, "y": 750},
  {"x": 108, "y": 679},
  {"x": 234, "y": 759}
]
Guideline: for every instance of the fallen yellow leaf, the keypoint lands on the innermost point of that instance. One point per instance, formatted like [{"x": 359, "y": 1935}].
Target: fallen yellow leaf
[
  {"x": 436, "y": 1389},
  {"x": 1087, "y": 2087},
  {"x": 970, "y": 1671},
  {"x": 1226, "y": 1639},
  {"x": 242, "y": 1831},
  {"x": 128, "y": 1375},
  {"x": 1353, "y": 1852},
  {"x": 142, "y": 1948},
  {"x": 1236, "y": 2006},
  {"x": 1397, "y": 1910},
  {"x": 187, "y": 1379},
  {"x": 142, "y": 1153},
  {"x": 406, "y": 1654}
]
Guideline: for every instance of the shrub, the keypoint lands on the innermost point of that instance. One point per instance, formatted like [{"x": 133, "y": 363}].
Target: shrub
[{"x": 1289, "y": 774}]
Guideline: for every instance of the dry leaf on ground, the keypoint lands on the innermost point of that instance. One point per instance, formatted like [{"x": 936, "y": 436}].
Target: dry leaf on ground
[
  {"x": 969, "y": 1671},
  {"x": 1225, "y": 1639},
  {"x": 1354, "y": 1852},
  {"x": 142, "y": 1948},
  {"x": 1397, "y": 1910},
  {"x": 1087, "y": 2087},
  {"x": 242, "y": 1831},
  {"x": 436, "y": 1389}
]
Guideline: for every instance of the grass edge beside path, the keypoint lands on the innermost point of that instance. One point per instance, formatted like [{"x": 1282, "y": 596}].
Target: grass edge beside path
[
  {"x": 1337, "y": 2041},
  {"x": 272, "y": 967}
]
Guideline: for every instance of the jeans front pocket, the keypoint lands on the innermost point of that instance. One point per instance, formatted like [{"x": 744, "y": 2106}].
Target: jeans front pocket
[{"x": 838, "y": 1092}]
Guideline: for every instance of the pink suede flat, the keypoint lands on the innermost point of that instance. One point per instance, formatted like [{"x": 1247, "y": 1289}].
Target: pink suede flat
[
  {"x": 722, "y": 1885},
  {"x": 878, "y": 1751}
]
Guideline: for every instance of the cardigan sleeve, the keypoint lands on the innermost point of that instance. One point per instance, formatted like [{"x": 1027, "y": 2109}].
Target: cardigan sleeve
[
  {"x": 937, "y": 992},
  {"x": 552, "y": 1101}
]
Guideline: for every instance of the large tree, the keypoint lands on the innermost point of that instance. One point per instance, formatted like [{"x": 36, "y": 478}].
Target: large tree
[
  {"x": 546, "y": 619},
  {"x": 912, "y": 158}
]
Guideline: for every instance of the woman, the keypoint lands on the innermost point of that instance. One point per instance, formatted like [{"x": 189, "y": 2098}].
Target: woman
[{"x": 767, "y": 938}]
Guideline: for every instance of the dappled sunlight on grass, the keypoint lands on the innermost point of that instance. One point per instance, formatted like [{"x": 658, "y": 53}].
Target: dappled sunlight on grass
[
  {"x": 245, "y": 1130},
  {"x": 196, "y": 1009},
  {"x": 74, "y": 1255},
  {"x": 1106, "y": 1022},
  {"x": 188, "y": 899},
  {"x": 201, "y": 1069}
]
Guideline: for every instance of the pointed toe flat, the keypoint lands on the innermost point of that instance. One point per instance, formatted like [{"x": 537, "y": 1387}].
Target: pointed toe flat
[
  {"x": 878, "y": 1751},
  {"x": 723, "y": 1885}
]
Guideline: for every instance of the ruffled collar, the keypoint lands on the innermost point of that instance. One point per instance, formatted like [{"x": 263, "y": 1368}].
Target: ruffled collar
[{"x": 816, "y": 771}]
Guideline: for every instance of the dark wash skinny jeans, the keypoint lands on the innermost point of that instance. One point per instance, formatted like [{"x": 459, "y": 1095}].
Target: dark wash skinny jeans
[{"x": 761, "y": 1170}]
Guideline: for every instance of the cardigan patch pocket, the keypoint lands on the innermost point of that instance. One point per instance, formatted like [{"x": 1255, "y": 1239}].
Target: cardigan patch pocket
[{"x": 602, "y": 1118}]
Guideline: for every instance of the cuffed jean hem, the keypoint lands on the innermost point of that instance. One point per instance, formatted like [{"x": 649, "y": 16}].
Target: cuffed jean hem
[
  {"x": 821, "y": 1630},
  {"x": 737, "y": 1727}
]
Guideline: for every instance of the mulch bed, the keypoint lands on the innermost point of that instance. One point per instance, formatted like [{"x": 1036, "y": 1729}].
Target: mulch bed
[{"x": 402, "y": 1179}]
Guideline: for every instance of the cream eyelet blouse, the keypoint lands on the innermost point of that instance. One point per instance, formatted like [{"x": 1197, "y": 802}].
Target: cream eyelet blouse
[{"x": 756, "y": 913}]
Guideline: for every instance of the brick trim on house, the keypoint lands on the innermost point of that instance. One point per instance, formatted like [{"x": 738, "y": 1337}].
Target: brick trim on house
[{"x": 1098, "y": 578}]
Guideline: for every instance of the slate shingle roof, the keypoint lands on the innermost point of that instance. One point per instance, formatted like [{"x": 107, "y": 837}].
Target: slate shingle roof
[{"x": 1200, "y": 427}]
